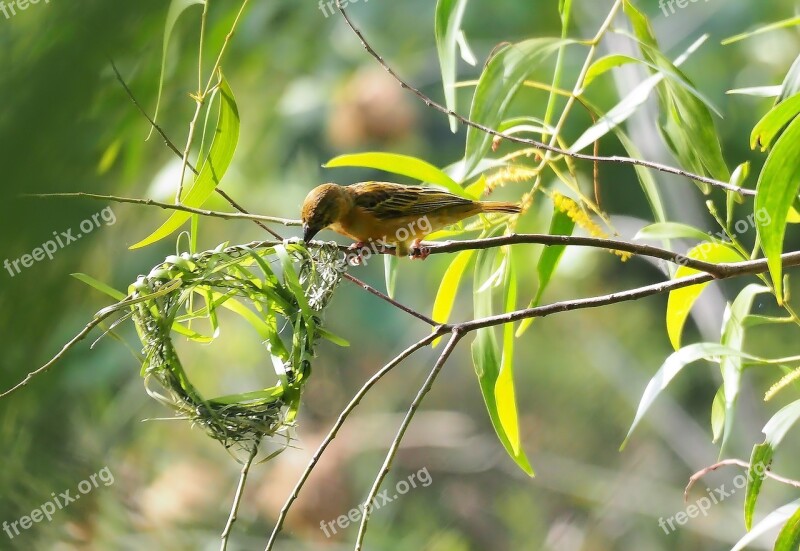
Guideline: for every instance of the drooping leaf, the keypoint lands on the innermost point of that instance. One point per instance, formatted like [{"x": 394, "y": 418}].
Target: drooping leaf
[
  {"x": 498, "y": 84},
  {"x": 777, "y": 517},
  {"x": 390, "y": 273},
  {"x": 100, "y": 286},
  {"x": 448, "y": 288},
  {"x": 176, "y": 9},
  {"x": 670, "y": 368},
  {"x": 766, "y": 28},
  {"x": 760, "y": 460},
  {"x": 216, "y": 163},
  {"x": 449, "y": 14},
  {"x": 681, "y": 300},
  {"x": 789, "y": 536},
  {"x": 671, "y": 230},
  {"x": 718, "y": 414},
  {"x": 486, "y": 356},
  {"x": 791, "y": 84},
  {"x": 776, "y": 191},
  {"x": 770, "y": 126},
  {"x": 628, "y": 105},
  {"x": 404, "y": 165},
  {"x": 733, "y": 332}
]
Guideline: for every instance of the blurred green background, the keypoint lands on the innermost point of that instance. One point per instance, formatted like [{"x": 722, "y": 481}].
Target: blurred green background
[{"x": 306, "y": 92}]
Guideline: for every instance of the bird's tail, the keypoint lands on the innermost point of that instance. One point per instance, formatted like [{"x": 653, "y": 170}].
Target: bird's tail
[{"x": 496, "y": 206}]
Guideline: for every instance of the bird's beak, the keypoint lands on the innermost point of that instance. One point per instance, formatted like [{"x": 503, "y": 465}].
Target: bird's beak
[{"x": 308, "y": 233}]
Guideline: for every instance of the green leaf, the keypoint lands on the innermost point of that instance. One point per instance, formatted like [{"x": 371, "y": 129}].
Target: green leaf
[
  {"x": 501, "y": 79},
  {"x": 770, "y": 126},
  {"x": 100, "y": 286},
  {"x": 680, "y": 301},
  {"x": 733, "y": 332},
  {"x": 404, "y": 165},
  {"x": 776, "y": 190},
  {"x": 760, "y": 460},
  {"x": 670, "y": 369},
  {"x": 448, "y": 288},
  {"x": 768, "y": 524},
  {"x": 791, "y": 84},
  {"x": 605, "y": 64},
  {"x": 767, "y": 28},
  {"x": 789, "y": 536},
  {"x": 560, "y": 224},
  {"x": 504, "y": 393},
  {"x": 449, "y": 14},
  {"x": 335, "y": 339},
  {"x": 216, "y": 163},
  {"x": 390, "y": 273},
  {"x": 627, "y": 106},
  {"x": 758, "y": 91},
  {"x": 486, "y": 356},
  {"x": 718, "y": 414},
  {"x": 176, "y": 8},
  {"x": 671, "y": 230}
]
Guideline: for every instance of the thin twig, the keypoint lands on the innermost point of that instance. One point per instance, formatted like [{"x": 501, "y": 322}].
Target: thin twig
[
  {"x": 739, "y": 463},
  {"x": 526, "y": 141},
  {"x": 390, "y": 455},
  {"x": 338, "y": 425},
  {"x": 390, "y": 300},
  {"x": 237, "y": 499},
  {"x": 172, "y": 206}
]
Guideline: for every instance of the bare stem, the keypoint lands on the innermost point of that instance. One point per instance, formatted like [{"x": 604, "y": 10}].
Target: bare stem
[
  {"x": 739, "y": 463},
  {"x": 390, "y": 455},
  {"x": 237, "y": 499},
  {"x": 338, "y": 425}
]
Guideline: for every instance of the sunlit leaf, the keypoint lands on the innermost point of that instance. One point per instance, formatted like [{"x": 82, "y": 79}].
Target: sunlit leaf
[
  {"x": 766, "y": 28},
  {"x": 770, "y": 126},
  {"x": 486, "y": 356},
  {"x": 216, "y": 163},
  {"x": 789, "y": 536},
  {"x": 448, "y": 288},
  {"x": 776, "y": 190},
  {"x": 404, "y": 165},
  {"x": 718, "y": 414},
  {"x": 504, "y": 392},
  {"x": 760, "y": 459},
  {"x": 681, "y": 300}
]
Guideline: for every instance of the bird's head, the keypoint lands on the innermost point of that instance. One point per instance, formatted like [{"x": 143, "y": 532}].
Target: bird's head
[{"x": 323, "y": 206}]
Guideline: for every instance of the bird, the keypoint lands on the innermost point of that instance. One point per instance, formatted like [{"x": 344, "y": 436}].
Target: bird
[{"x": 389, "y": 213}]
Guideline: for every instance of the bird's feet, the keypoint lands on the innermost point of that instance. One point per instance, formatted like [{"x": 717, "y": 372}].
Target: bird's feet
[{"x": 418, "y": 252}]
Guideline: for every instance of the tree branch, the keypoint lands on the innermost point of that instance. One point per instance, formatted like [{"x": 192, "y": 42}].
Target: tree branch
[
  {"x": 340, "y": 422},
  {"x": 739, "y": 463},
  {"x": 526, "y": 141},
  {"x": 237, "y": 499},
  {"x": 390, "y": 455}
]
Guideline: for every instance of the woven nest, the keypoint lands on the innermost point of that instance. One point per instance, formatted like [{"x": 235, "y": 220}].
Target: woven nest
[{"x": 284, "y": 288}]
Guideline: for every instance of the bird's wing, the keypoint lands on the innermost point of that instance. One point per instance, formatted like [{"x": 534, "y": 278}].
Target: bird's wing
[{"x": 385, "y": 200}]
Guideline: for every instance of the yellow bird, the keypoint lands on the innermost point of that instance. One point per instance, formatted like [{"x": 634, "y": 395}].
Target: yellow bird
[{"x": 390, "y": 214}]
